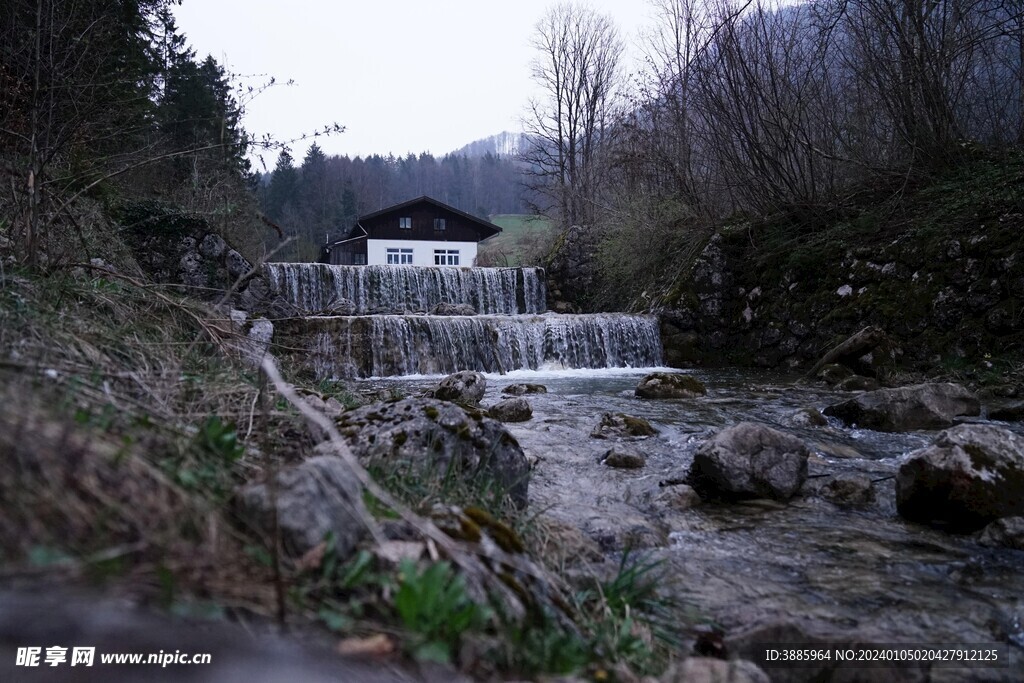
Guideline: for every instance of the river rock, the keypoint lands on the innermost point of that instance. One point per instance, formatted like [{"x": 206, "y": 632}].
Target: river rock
[
  {"x": 848, "y": 490},
  {"x": 750, "y": 460},
  {"x": 806, "y": 417},
  {"x": 462, "y": 387},
  {"x": 1009, "y": 413},
  {"x": 615, "y": 425},
  {"x": 676, "y": 497},
  {"x": 445, "y": 308},
  {"x": 921, "y": 406},
  {"x": 1000, "y": 391},
  {"x": 525, "y": 388},
  {"x": 1007, "y": 532},
  {"x": 511, "y": 410},
  {"x": 833, "y": 373},
  {"x": 331, "y": 407},
  {"x": 319, "y": 497},
  {"x": 711, "y": 670},
  {"x": 969, "y": 476},
  {"x": 623, "y": 459},
  {"x": 433, "y": 436},
  {"x": 858, "y": 383},
  {"x": 670, "y": 385}
]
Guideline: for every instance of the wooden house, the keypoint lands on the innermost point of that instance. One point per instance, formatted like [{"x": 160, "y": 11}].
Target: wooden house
[{"x": 419, "y": 232}]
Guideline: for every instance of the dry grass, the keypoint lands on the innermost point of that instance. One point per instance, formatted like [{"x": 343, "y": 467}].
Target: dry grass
[
  {"x": 103, "y": 468},
  {"x": 109, "y": 385}
]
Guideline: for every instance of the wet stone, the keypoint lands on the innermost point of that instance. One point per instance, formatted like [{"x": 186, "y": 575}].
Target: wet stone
[
  {"x": 511, "y": 410},
  {"x": 1008, "y": 413},
  {"x": 524, "y": 388},
  {"x": 670, "y": 385},
  {"x": 848, "y": 490},
  {"x": 1007, "y": 532},
  {"x": 621, "y": 425},
  {"x": 750, "y": 460},
  {"x": 461, "y": 387},
  {"x": 807, "y": 417},
  {"x": 921, "y": 406},
  {"x": 623, "y": 459},
  {"x": 969, "y": 476}
]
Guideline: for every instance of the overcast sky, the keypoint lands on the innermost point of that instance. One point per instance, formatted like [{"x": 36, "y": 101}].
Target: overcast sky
[{"x": 400, "y": 75}]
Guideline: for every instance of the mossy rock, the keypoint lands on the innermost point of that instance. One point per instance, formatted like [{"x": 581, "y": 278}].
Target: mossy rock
[
  {"x": 524, "y": 388},
  {"x": 431, "y": 439},
  {"x": 670, "y": 385},
  {"x": 621, "y": 425}
]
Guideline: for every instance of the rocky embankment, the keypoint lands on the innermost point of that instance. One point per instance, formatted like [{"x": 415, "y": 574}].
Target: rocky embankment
[
  {"x": 938, "y": 266},
  {"x": 959, "y": 297}
]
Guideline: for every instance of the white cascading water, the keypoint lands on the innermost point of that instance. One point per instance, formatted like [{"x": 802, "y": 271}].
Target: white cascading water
[
  {"x": 511, "y": 332},
  {"x": 315, "y": 287},
  {"x": 387, "y": 345}
]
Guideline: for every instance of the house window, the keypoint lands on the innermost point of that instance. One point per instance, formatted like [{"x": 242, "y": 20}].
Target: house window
[
  {"x": 439, "y": 224},
  {"x": 405, "y": 223},
  {"x": 446, "y": 257},
  {"x": 399, "y": 257},
  {"x": 359, "y": 259}
]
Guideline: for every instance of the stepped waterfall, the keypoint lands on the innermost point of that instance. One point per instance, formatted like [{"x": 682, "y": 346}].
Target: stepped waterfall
[
  {"x": 398, "y": 289},
  {"x": 389, "y": 332}
]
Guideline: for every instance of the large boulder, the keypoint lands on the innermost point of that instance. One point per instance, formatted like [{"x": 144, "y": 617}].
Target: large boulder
[
  {"x": 969, "y": 476},
  {"x": 462, "y": 387},
  {"x": 511, "y": 410},
  {"x": 921, "y": 406},
  {"x": 620, "y": 425},
  {"x": 319, "y": 497},
  {"x": 750, "y": 460},
  {"x": 670, "y": 385},
  {"x": 431, "y": 438}
]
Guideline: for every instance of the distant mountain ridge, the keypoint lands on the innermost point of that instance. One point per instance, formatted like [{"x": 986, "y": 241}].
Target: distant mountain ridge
[{"x": 504, "y": 144}]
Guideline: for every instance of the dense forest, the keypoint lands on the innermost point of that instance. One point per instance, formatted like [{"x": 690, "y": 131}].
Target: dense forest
[
  {"x": 322, "y": 196},
  {"x": 106, "y": 113}
]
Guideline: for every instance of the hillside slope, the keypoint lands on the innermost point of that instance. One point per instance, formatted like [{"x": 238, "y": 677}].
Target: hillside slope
[{"x": 937, "y": 266}]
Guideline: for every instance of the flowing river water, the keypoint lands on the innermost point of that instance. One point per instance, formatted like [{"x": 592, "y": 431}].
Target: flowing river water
[
  {"x": 863, "y": 575},
  {"x": 835, "y": 574}
]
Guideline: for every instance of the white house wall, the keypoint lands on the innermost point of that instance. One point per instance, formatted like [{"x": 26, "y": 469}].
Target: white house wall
[{"x": 422, "y": 251}]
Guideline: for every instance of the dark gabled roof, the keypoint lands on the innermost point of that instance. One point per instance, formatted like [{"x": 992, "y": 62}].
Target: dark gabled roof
[{"x": 486, "y": 228}]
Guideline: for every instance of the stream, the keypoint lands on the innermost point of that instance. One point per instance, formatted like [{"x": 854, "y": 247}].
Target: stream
[{"x": 863, "y": 575}]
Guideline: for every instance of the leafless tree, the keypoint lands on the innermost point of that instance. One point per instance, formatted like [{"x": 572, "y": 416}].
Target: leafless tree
[
  {"x": 577, "y": 69},
  {"x": 939, "y": 72}
]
